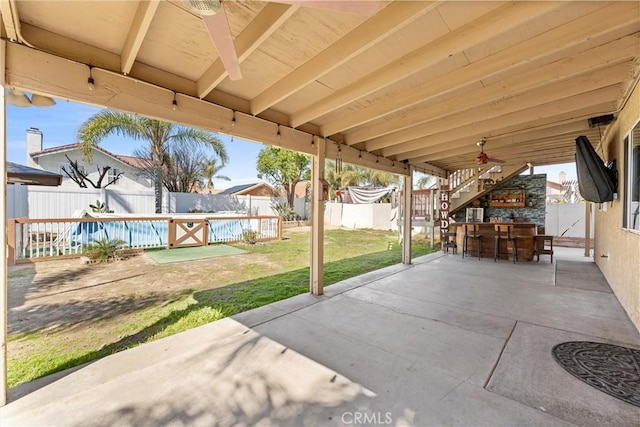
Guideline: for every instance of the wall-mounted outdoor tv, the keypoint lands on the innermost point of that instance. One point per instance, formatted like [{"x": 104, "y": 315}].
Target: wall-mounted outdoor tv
[{"x": 597, "y": 182}]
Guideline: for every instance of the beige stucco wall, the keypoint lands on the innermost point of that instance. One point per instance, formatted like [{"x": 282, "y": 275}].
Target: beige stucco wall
[{"x": 617, "y": 251}]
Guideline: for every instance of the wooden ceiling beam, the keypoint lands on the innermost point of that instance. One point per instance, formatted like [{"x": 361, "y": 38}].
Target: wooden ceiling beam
[
  {"x": 10, "y": 19},
  {"x": 484, "y": 28},
  {"x": 137, "y": 32},
  {"x": 80, "y": 52},
  {"x": 270, "y": 18},
  {"x": 601, "y": 101},
  {"x": 502, "y": 91},
  {"x": 501, "y": 145},
  {"x": 550, "y": 155},
  {"x": 389, "y": 20},
  {"x": 518, "y": 108},
  {"x": 41, "y": 72},
  {"x": 592, "y": 26}
]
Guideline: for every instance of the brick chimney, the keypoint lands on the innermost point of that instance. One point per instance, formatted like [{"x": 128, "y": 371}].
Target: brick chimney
[{"x": 34, "y": 144}]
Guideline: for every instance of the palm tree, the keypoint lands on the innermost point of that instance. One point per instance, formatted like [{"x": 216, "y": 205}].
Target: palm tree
[
  {"x": 338, "y": 179},
  {"x": 156, "y": 133},
  {"x": 210, "y": 170},
  {"x": 376, "y": 178},
  {"x": 425, "y": 181}
]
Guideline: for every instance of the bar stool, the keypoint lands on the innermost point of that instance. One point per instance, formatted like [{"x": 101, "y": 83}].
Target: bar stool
[
  {"x": 449, "y": 241},
  {"x": 505, "y": 232},
  {"x": 543, "y": 246},
  {"x": 471, "y": 231}
]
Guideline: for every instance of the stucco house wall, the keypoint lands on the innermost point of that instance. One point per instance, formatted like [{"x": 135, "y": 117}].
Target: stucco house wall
[
  {"x": 132, "y": 179},
  {"x": 617, "y": 250}
]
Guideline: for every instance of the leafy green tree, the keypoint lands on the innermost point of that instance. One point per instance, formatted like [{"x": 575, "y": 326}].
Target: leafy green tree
[
  {"x": 283, "y": 169},
  {"x": 211, "y": 169},
  {"x": 157, "y": 134}
]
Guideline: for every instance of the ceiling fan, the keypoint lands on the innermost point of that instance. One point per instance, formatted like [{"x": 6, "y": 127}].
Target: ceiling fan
[
  {"x": 215, "y": 19},
  {"x": 483, "y": 158}
]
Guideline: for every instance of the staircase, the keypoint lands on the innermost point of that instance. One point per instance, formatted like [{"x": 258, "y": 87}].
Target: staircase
[{"x": 469, "y": 184}]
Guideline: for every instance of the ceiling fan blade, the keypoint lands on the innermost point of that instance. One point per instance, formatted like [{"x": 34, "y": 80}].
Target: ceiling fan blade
[
  {"x": 357, "y": 7},
  {"x": 220, "y": 33}
]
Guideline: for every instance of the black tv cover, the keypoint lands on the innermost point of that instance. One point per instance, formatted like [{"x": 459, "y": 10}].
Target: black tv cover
[{"x": 597, "y": 182}]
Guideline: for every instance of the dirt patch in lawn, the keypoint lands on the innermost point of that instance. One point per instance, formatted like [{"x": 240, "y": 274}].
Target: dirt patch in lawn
[{"x": 68, "y": 294}]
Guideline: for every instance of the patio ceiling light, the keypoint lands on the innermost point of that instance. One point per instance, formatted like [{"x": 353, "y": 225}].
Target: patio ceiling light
[
  {"x": 18, "y": 98},
  {"x": 42, "y": 101}
]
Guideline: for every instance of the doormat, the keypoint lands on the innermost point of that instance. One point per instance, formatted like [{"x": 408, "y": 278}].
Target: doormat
[
  {"x": 164, "y": 256},
  {"x": 612, "y": 369}
]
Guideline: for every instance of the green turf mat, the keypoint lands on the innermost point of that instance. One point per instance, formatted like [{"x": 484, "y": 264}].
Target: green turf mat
[{"x": 164, "y": 256}]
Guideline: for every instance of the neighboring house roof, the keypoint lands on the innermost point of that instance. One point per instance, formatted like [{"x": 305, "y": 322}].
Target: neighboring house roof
[
  {"x": 20, "y": 174},
  {"x": 245, "y": 188},
  {"x": 135, "y": 162},
  {"x": 555, "y": 185}
]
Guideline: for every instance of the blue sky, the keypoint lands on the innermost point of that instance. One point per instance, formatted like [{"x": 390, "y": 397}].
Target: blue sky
[{"x": 60, "y": 123}]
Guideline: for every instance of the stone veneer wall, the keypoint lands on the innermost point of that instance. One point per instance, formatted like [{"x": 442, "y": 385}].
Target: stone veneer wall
[{"x": 535, "y": 187}]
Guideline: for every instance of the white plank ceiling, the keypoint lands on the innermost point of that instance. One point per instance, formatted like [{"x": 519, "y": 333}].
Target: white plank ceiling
[{"x": 417, "y": 83}]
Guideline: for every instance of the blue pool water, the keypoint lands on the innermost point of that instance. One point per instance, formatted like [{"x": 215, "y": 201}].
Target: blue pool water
[{"x": 153, "y": 233}]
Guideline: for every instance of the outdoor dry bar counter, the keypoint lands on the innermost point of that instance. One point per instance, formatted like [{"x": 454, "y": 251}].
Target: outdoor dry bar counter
[{"x": 524, "y": 230}]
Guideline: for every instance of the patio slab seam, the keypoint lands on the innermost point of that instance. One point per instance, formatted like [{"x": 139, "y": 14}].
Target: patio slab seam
[
  {"x": 495, "y": 366},
  {"x": 390, "y": 290},
  {"x": 594, "y": 337},
  {"x": 356, "y": 340},
  {"x": 548, "y": 385}
]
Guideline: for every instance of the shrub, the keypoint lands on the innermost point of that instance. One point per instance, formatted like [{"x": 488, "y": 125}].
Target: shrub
[
  {"x": 284, "y": 210},
  {"x": 100, "y": 207},
  {"x": 250, "y": 237},
  {"x": 105, "y": 249}
]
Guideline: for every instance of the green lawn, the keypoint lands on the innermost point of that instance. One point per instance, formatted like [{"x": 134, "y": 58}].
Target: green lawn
[{"x": 280, "y": 271}]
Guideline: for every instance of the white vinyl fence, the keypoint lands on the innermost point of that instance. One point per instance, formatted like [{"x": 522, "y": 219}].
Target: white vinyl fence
[
  {"x": 567, "y": 220},
  {"x": 33, "y": 201},
  {"x": 35, "y": 239}
]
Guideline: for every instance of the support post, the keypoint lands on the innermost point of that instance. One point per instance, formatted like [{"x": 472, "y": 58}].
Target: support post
[
  {"x": 11, "y": 243},
  {"x": 406, "y": 217},
  {"x": 3, "y": 235},
  {"x": 317, "y": 217},
  {"x": 432, "y": 220},
  {"x": 587, "y": 229}
]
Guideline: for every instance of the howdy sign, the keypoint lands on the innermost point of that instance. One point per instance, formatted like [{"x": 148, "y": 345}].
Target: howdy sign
[{"x": 444, "y": 209}]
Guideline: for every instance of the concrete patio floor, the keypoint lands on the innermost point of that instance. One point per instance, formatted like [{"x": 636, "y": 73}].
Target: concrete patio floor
[{"x": 445, "y": 341}]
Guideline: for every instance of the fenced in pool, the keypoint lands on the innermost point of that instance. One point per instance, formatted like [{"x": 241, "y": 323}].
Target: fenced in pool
[{"x": 39, "y": 239}]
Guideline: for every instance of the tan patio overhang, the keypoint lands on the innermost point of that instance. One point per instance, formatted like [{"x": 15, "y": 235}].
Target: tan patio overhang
[{"x": 412, "y": 87}]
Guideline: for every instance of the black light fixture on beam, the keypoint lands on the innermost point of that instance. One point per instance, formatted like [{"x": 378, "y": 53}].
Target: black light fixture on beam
[{"x": 90, "y": 82}]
